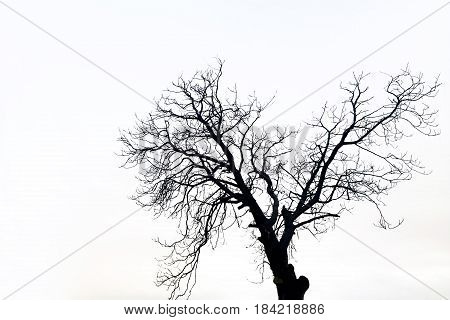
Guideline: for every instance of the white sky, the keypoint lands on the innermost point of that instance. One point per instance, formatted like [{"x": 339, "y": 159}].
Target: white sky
[{"x": 59, "y": 119}]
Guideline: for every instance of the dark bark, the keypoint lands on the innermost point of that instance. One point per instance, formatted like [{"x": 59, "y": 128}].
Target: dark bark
[{"x": 289, "y": 287}]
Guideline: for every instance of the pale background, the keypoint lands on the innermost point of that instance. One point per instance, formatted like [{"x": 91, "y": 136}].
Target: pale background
[{"x": 59, "y": 119}]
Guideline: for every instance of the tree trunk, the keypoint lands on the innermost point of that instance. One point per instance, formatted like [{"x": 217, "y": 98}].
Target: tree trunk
[{"x": 291, "y": 288}]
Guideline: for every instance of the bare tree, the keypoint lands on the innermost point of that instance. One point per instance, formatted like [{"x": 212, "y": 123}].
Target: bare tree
[{"x": 205, "y": 164}]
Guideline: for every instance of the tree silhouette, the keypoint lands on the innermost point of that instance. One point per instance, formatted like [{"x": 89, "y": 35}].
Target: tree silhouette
[{"x": 204, "y": 163}]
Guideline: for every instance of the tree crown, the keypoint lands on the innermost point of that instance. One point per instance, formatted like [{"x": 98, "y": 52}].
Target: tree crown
[{"x": 205, "y": 163}]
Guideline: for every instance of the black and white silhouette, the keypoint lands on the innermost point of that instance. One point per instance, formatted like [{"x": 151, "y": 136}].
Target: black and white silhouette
[{"x": 205, "y": 162}]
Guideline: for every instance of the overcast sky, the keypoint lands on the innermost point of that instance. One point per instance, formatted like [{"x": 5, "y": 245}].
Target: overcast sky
[{"x": 59, "y": 120}]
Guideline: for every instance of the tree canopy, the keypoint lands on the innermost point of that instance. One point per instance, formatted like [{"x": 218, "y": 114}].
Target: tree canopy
[{"x": 205, "y": 163}]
